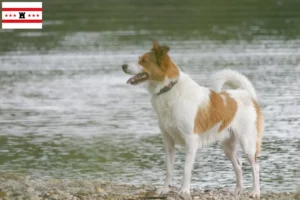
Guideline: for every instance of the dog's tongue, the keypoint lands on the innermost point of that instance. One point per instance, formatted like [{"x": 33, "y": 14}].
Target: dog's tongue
[{"x": 138, "y": 78}]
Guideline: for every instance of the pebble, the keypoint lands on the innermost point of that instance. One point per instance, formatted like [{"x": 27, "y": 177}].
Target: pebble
[
  {"x": 170, "y": 198},
  {"x": 140, "y": 192},
  {"x": 108, "y": 189},
  {"x": 63, "y": 195},
  {"x": 53, "y": 197},
  {"x": 17, "y": 193},
  {"x": 33, "y": 197},
  {"x": 30, "y": 190},
  {"x": 27, "y": 180},
  {"x": 17, "y": 187},
  {"x": 186, "y": 196},
  {"x": 55, "y": 181},
  {"x": 101, "y": 191}
]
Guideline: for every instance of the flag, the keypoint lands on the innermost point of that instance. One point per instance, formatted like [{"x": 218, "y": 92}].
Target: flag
[{"x": 22, "y": 15}]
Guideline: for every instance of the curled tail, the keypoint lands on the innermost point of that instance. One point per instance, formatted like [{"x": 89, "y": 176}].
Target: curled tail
[
  {"x": 233, "y": 79},
  {"x": 237, "y": 81}
]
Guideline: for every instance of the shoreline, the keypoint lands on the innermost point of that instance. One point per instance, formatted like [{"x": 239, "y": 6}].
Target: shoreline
[{"x": 18, "y": 186}]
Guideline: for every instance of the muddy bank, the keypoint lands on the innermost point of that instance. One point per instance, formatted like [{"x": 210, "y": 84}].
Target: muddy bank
[{"x": 17, "y": 186}]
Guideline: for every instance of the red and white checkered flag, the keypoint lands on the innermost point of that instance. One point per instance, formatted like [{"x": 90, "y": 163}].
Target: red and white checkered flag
[{"x": 22, "y": 15}]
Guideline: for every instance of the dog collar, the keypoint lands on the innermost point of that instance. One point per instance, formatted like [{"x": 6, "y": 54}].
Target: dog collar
[{"x": 167, "y": 88}]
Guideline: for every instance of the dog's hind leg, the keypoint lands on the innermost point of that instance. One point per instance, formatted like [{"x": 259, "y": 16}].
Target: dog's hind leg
[
  {"x": 230, "y": 148},
  {"x": 249, "y": 147},
  {"x": 255, "y": 175},
  {"x": 169, "y": 146}
]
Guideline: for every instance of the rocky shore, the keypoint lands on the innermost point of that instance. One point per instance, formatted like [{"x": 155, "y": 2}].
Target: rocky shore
[{"x": 19, "y": 187}]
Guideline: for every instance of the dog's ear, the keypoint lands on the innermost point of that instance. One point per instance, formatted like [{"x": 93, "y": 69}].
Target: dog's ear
[
  {"x": 165, "y": 49},
  {"x": 156, "y": 46},
  {"x": 159, "y": 51}
]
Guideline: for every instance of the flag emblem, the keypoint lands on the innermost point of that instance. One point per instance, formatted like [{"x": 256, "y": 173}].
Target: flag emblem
[{"x": 22, "y": 15}]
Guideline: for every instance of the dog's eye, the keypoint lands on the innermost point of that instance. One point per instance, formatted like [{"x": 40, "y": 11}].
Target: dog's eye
[{"x": 143, "y": 60}]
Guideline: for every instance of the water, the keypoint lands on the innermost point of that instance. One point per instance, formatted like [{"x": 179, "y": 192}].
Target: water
[{"x": 65, "y": 110}]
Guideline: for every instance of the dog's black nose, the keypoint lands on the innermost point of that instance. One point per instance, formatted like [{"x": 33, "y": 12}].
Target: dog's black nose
[{"x": 124, "y": 67}]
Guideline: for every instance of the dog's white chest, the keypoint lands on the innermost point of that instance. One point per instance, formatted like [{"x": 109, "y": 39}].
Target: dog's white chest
[{"x": 167, "y": 123}]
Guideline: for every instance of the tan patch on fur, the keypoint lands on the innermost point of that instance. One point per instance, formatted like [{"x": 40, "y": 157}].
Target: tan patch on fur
[
  {"x": 171, "y": 70},
  {"x": 148, "y": 62},
  {"x": 221, "y": 108},
  {"x": 158, "y": 64},
  {"x": 156, "y": 72},
  {"x": 259, "y": 128}
]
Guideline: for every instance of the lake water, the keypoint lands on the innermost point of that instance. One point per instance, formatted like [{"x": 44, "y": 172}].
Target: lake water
[{"x": 66, "y": 110}]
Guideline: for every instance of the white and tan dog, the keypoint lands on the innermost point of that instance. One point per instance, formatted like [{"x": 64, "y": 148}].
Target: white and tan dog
[{"x": 194, "y": 116}]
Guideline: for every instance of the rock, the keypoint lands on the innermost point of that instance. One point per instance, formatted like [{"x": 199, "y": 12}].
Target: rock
[
  {"x": 17, "y": 187},
  {"x": 108, "y": 189},
  {"x": 186, "y": 196},
  {"x": 139, "y": 192},
  {"x": 63, "y": 195},
  {"x": 196, "y": 198},
  {"x": 17, "y": 193},
  {"x": 30, "y": 190},
  {"x": 82, "y": 192},
  {"x": 54, "y": 181},
  {"x": 26, "y": 179},
  {"x": 53, "y": 197},
  {"x": 101, "y": 191},
  {"x": 45, "y": 195},
  {"x": 170, "y": 198},
  {"x": 33, "y": 197}
]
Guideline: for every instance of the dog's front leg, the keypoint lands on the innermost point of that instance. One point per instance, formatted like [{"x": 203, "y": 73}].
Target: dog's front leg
[
  {"x": 169, "y": 147},
  {"x": 191, "y": 149}
]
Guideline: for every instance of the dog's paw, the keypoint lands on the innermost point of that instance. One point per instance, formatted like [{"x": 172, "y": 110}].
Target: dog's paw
[
  {"x": 185, "y": 194},
  {"x": 238, "y": 190},
  {"x": 255, "y": 195},
  {"x": 163, "y": 191}
]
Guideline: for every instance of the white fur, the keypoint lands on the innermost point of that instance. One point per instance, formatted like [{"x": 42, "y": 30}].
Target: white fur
[
  {"x": 134, "y": 69},
  {"x": 176, "y": 111},
  {"x": 233, "y": 79}
]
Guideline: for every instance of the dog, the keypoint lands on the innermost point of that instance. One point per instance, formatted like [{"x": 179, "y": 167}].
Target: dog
[{"x": 194, "y": 116}]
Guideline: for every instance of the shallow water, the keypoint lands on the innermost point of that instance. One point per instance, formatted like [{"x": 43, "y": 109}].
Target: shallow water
[
  {"x": 70, "y": 114},
  {"x": 66, "y": 110}
]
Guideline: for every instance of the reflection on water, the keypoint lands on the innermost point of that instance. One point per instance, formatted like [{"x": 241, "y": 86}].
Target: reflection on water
[{"x": 72, "y": 115}]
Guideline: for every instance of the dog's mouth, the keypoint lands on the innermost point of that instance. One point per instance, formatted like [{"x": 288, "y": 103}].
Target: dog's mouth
[{"x": 138, "y": 78}]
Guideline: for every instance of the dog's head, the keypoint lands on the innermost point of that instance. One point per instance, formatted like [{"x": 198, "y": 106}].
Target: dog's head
[{"x": 155, "y": 65}]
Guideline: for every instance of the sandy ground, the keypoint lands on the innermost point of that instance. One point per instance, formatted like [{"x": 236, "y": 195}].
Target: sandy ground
[{"x": 17, "y": 186}]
